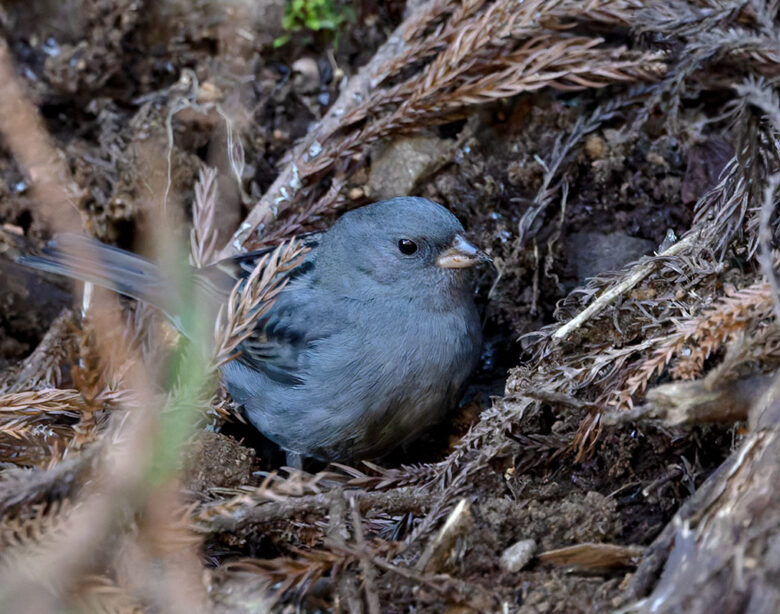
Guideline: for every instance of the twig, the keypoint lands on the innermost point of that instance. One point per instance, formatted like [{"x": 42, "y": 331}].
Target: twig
[
  {"x": 365, "y": 563},
  {"x": 245, "y": 510},
  {"x": 639, "y": 272},
  {"x": 400, "y": 571}
]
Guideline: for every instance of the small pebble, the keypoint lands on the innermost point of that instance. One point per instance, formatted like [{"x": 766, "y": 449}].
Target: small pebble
[
  {"x": 669, "y": 240},
  {"x": 595, "y": 147},
  {"x": 306, "y": 75},
  {"x": 514, "y": 558}
]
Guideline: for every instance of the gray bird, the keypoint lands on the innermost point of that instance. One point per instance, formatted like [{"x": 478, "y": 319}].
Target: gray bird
[{"x": 368, "y": 344}]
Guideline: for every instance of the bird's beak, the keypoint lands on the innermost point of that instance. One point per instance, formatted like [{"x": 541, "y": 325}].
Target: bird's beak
[{"x": 460, "y": 255}]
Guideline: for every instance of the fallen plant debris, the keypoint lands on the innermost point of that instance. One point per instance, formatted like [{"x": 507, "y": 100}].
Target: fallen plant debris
[{"x": 621, "y": 429}]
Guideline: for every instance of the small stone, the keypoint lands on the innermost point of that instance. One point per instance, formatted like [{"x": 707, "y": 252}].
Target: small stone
[
  {"x": 517, "y": 556},
  {"x": 559, "y": 426},
  {"x": 397, "y": 167},
  {"x": 13, "y": 229},
  {"x": 209, "y": 92},
  {"x": 595, "y": 252},
  {"x": 595, "y": 147},
  {"x": 306, "y": 75},
  {"x": 356, "y": 193}
]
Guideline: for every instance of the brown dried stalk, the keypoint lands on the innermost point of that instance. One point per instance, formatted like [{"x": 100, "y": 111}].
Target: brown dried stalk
[
  {"x": 561, "y": 367},
  {"x": 765, "y": 239},
  {"x": 284, "y": 573},
  {"x": 687, "y": 19},
  {"x": 53, "y": 401},
  {"x": 31, "y": 444},
  {"x": 44, "y": 576},
  {"x": 29, "y": 534},
  {"x": 454, "y": 83},
  {"x": 304, "y": 568},
  {"x": 43, "y": 368},
  {"x": 716, "y": 550},
  {"x": 386, "y": 478},
  {"x": 708, "y": 34},
  {"x": 203, "y": 235},
  {"x": 41, "y": 427},
  {"x": 33, "y": 530},
  {"x": 483, "y": 61},
  {"x": 700, "y": 337},
  {"x": 24, "y": 487},
  {"x": 628, "y": 281},
  {"x": 722, "y": 210},
  {"x": 252, "y": 298},
  {"x": 263, "y": 506},
  {"x": 578, "y": 367},
  {"x": 24, "y": 134},
  {"x": 73, "y": 545}
]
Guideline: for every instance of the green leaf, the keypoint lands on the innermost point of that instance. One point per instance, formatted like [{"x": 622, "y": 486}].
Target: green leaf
[{"x": 281, "y": 40}]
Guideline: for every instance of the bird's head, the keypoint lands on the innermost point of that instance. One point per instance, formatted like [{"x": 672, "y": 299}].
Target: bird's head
[{"x": 405, "y": 245}]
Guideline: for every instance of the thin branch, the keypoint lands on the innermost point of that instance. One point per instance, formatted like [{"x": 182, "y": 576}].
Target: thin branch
[{"x": 638, "y": 273}]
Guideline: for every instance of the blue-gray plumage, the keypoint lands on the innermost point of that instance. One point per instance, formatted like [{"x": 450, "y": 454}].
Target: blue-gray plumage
[{"x": 367, "y": 345}]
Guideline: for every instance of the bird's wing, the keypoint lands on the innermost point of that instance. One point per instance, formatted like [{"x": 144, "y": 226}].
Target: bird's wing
[
  {"x": 276, "y": 346},
  {"x": 280, "y": 335}
]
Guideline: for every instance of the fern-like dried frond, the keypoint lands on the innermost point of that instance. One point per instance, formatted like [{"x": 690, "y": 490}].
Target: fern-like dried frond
[
  {"x": 203, "y": 235},
  {"x": 387, "y": 478},
  {"x": 43, "y": 368},
  {"x": 31, "y": 528},
  {"x": 287, "y": 573},
  {"x": 53, "y": 401},
  {"x": 698, "y": 338},
  {"x": 251, "y": 299},
  {"x": 25, "y": 487},
  {"x": 39, "y": 426}
]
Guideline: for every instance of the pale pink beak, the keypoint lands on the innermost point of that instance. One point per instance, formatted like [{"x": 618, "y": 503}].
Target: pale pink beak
[{"x": 460, "y": 255}]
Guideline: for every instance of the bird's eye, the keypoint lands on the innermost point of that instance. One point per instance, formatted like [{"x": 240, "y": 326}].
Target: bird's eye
[{"x": 407, "y": 247}]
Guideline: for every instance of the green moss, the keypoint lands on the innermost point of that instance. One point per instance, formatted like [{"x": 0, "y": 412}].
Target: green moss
[{"x": 314, "y": 16}]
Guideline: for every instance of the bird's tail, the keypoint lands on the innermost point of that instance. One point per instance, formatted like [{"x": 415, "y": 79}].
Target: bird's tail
[{"x": 84, "y": 258}]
